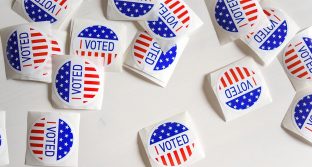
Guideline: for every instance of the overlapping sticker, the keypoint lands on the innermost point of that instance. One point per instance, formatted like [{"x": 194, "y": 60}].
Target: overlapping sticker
[
  {"x": 51, "y": 139},
  {"x": 239, "y": 88},
  {"x": 297, "y": 58},
  {"x": 174, "y": 19},
  {"x": 46, "y": 10},
  {"x": 148, "y": 55},
  {"x": 97, "y": 41},
  {"x": 77, "y": 82},
  {"x": 171, "y": 144},
  {"x": 27, "y": 50},
  {"x": 134, "y": 8},
  {"x": 302, "y": 116}
]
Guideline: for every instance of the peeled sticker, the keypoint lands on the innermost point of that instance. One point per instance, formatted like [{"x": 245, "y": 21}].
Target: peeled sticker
[
  {"x": 51, "y": 139},
  {"x": 134, "y": 8},
  {"x": 78, "y": 82},
  {"x": 239, "y": 88}
]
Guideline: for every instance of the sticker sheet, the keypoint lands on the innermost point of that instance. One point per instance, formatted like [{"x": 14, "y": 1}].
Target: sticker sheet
[
  {"x": 52, "y": 139},
  {"x": 77, "y": 83},
  {"x": 172, "y": 142},
  {"x": 133, "y": 9},
  {"x": 103, "y": 42},
  {"x": 4, "y": 153},
  {"x": 240, "y": 88},
  {"x": 147, "y": 58}
]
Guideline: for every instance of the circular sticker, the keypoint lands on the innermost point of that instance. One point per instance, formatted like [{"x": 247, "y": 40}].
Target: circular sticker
[
  {"x": 302, "y": 116},
  {"x": 148, "y": 55},
  {"x": 272, "y": 37},
  {"x": 297, "y": 58},
  {"x": 1, "y": 141},
  {"x": 97, "y": 41},
  {"x": 46, "y": 10},
  {"x": 174, "y": 19},
  {"x": 51, "y": 139},
  {"x": 171, "y": 144},
  {"x": 77, "y": 82},
  {"x": 239, "y": 88},
  {"x": 27, "y": 49},
  {"x": 237, "y": 15},
  {"x": 134, "y": 8}
]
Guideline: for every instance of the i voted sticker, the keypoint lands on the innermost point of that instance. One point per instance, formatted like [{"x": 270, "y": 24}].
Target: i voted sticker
[
  {"x": 97, "y": 41},
  {"x": 171, "y": 144},
  {"x": 148, "y": 55},
  {"x": 297, "y": 58},
  {"x": 134, "y": 8},
  {"x": 237, "y": 15},
  {"x": 1, "y": 141},
  {"x": 27, "y": 49},
  {"x": 46, "y": 10},
  {"x": 174, "y": 19},
  {"x": 51, "y": 139},
  {"x": 302, "y": 116},
  {"x": 77, "y": 82},
  {"x": 239, "y": 88},
  {"x": 273, "y": 36}
]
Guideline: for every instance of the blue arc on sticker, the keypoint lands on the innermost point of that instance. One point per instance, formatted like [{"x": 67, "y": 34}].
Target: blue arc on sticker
[
  {"x": 224, "y": 18},
  {"x": 245, "y": 101},
  {"x": 12, "y": 52},
  {"x": 162, "y": 132},
  {"x": 133, "y": 9},
  {"x": 38, "y": 13},
  {"x": 308, "y": 42},
  {"x": 160, "y": 28},
  {"x": 98, "y": 32},
  {"x": 277, "y": 37},
  {"x": 166, "y": 59},
  {"x": 302, "y": 112}
]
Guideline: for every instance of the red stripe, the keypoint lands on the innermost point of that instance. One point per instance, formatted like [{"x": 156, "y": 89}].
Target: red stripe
[
  {"x": 38, "y": 40},
  {"x": 142, "y": 43},
  {"x": 249, "y": 6},
  {"x": 267, "y": 13},
  {"x": 183, "y": 154},
  {"x": 89, "y": 54},
  {"x": 37, "y": 131},
  {"x": 289, "y": 52},
  {"x": 163, "y": 160},
  {"x": 297, "y": 70},
  {"x": 56, "y": 49},
  {"x": 62, "y": 2},
  {"x": 88, "y": 96},
  {"x": 166, "y": 2},
  {"x": 37, "y": 152},
  {"x": 40, "y": 54},
  {"x": 35, "y": 34},
  {"x": 223, "y": 82},
  {"x": 303, "y": 74},
  {"x": 140, "y": 49},
  {"x": 102, "y": 54},
  {"x": 228, "y": 78},
  {"x": 240, "y": 73},
  {"x": 178, "y": 9},
  {"x": 244, "y": 1},
  {"x": 146, "y": 37},
  {"x": 291, "y": 58},
  {"x": 90, "y": 69},
  {"x": 186, "y": 20},
  {"x": 36, "y": 145},
  {"x": 182, "y": 14},
  {"x": 170, "y": 159},
  {"x": 138, "y": 55},
  {"x": 252, "y": 18},
  {"x": 156, "y": 150},
  {"x": 82, "y": 53},
  {"x": 252, "y": 12},
  {"x": 92, "y": 82},
  {"x": 91, "y": 75},
  {"x": 177, "y": 157},
  {"x": 96, "y": 54},
  {"x": 109, "y": 58},
  {"x": 174, "y": 4},
  {"x": 39, "y": 124},
  {"x": 39, "y": 61},
  {"x": 246, "y": 71},
  {"x": 234, "y": 75},
  {"x": 36, "y": 138},
  {"x": 54, "y": 42},
  {"x": 294, "y": 64},
  {"x": 189, "y": 151},
  {"x": 308, "y": 128}
]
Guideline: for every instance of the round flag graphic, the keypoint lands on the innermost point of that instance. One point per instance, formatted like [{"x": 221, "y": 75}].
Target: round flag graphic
[
  {"x": 302, "y": 116},
  {"x": 149, "y": 56},
  {"x": 46, "y": 10},
  {"x": 134, "y": 8},
  {"x": 171, "y": 144},
  {"x": 297, "y": 58},
  {"x": 51, "y": 139},
  {"x": 174, "y": 19},
  {"x": 236, "y": 15},
  {"x": 77, "y": 82},
  {"x": 239, "y": 88},
  {"x": 97, "y": 41},
  {"x": 27, "y": 49}
]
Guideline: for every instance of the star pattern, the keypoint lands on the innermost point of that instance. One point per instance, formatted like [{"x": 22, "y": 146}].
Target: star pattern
[
  {"x": 36, "y": 13},
  {"x": 133, "y": 9},
  {"x": 62, "y": 81},
  {"x": 277, "y": 38},
  {"x": 302, "y": 110},
  {"x": 166, "y": 59},
  {"x": 12, "y": 52},
  {"x": 245, "y": 101},
  {"x": 160, "y": 28},
  {"x": 308, "y": 42},
  {"x": 98, "y": 32},
  {"x": 224, "y": 18},
  {"x": 65, "y": 139},
  {"x": 167, "y": 130}
]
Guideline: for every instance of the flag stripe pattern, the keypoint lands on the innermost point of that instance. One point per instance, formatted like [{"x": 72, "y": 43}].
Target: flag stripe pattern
[
  {"x": 302, "y": 113},
  {"x": 243, "y": 80},
  {"x": 50, "y": 10},
  {"x": 134, "y": 8},
  {"x": 144, "y": 45},
  {"x": 86, "y": 47},
  {"x": 178, "y": 155},
  {"x": 43, "y": 132},
  {"x": 179, "y": 20},
  {"x": 248, "y": 10},
  {"x": 295, "y": 64}
]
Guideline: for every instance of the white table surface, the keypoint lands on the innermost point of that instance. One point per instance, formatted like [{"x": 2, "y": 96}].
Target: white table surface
[{"x": 109, "y": 138}]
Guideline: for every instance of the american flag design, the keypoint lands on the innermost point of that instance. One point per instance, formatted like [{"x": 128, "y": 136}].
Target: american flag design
[
  {"x": 237, "y": 15},
  {"x": 174, "y": 19},
  {"x": 97, "y": 41},
  {"x": 302, "y": 116},
  {"x": 1, "y": 141},
  {"x": 51, "y": 139},
  {"x": 239, "y": 88},
  {"x": 272, "y": 37},
  {"x": 77, "y": 82},
  {"x": 27, "y": 50},
  {"x": 171, "y": 144},
  {"x": 135, "y": 8},
  {"x": 57, "y": 50},
  {"x": 148, "y": 54},
  {"x": 46, "y": 10},
  {"x": 297, "y": 58}
]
